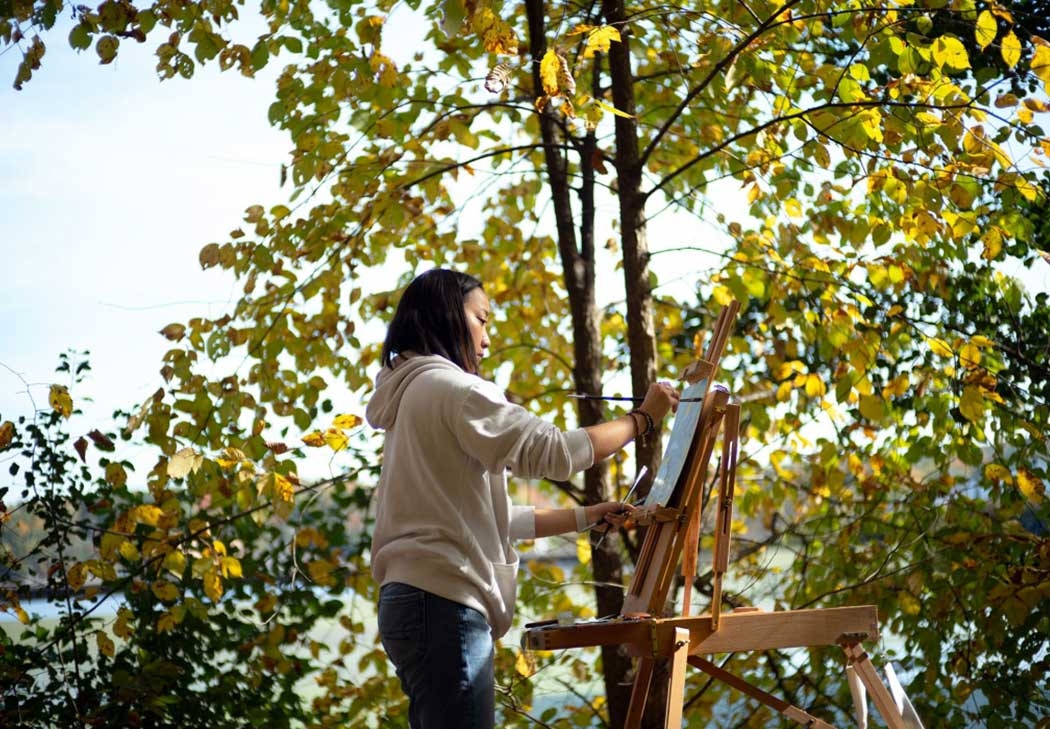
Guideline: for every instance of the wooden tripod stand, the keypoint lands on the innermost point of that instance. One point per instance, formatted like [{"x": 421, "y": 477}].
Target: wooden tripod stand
[{"x": 672, "y": 514}]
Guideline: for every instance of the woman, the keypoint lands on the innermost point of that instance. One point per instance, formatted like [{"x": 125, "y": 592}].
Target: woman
[{"x": 444, "y": 522}]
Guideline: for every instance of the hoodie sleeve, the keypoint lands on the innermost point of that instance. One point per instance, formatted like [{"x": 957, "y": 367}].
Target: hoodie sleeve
[
  {"x": 522, "y": 522},
  {"x": 502, "y": 435}
]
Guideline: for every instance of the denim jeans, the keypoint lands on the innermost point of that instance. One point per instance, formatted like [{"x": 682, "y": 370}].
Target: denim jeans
[{"x": 443, "y": 655}]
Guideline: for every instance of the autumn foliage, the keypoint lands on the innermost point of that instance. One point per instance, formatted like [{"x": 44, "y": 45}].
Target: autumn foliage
[{"x": 856, "y": 175}]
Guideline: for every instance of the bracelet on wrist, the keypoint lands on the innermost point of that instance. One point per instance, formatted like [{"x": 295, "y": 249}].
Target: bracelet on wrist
[
  {"x": 650, "y": 426},
  {"x": 637, "y": 428}
]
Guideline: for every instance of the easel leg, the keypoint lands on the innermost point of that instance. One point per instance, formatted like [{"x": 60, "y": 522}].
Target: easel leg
[
  {"x": 860, "y": 697},
  {"x": 643, "y": 674},
  {"x": 676, "y": 689},
  {"x": 880, "y": 695},
  {"x": 791, "y": 712}
]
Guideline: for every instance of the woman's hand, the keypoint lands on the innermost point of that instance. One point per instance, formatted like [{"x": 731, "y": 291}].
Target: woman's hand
[
  {"x": 612, "y": 435},
  {"x": 661, "y": 399},
  {"x": 608, "y": 513}
]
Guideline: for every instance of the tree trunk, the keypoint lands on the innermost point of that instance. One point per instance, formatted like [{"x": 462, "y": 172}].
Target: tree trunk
[
  {"x": 578, "y": 272},
  {"x": 641, "y": 336}
]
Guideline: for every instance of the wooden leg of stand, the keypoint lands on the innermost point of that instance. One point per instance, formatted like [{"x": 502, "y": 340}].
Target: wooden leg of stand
[
  {"x": 880, "y": 695},
  {"x": 860, "y": 697},
  {"x": 643, "y": 674},
  {"x": 791, "y": 712},
  {"x": 676, "y": 687}
]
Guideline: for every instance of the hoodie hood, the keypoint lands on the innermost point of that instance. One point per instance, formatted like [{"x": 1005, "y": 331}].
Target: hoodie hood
[{"x": 392, "y": 382}]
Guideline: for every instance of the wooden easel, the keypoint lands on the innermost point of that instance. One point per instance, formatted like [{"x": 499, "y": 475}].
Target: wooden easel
[{"x": 672, "y": 513}]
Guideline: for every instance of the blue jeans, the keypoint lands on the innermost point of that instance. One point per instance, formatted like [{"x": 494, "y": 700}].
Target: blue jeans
[{"x": 443, "y": 655}]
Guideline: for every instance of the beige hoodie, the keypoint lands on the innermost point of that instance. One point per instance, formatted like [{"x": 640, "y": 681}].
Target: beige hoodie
[{"x": 444, "y": 521}]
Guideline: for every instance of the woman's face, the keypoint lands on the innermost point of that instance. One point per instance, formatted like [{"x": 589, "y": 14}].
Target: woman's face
[{"x": 476, "y": 309}]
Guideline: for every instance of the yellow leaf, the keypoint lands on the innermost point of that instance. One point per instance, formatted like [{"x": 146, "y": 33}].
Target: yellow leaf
[
  {"x": 971, "y": 404},
  {"x": 165, "y": 591},
  {"x": 815, "y": 386},
  {"x": 525, "y": 664},
  {"x": 315, "y": 439},
  {"x": 166, "y": 622},
  {"x": 109, "y": 544},
  {"x": 549, "y": 67},
  {"x": 777, "y": 458},
  {"x": 1031, "y": 486},
  {"x": 231, "y": 567},
  {"x": 185, "y": 461},
  {"x": 336, "y": 439},
  {"x": 1040, "y": 64},
  {"x": 583, "y": 548},
  {"x": 950, "y": 52},
  {"x": 986, "y": 29},
  {"x": 283, "y": 491},
  {"x": 60, "y": 400},
  {"x": 76, "y": 576},
  {"x": 105, "y": 644},
  {"x": 213, "y": 585},
  {"x": 7, "y": 434},
  {"x": 175, "y": 562},
  {"x": 129, "y": 551},
  {"x": 609, "y": 108},
  {"x": 997, "y": 472},
  {"x": 122, "y": 628},
  {"x": 116, "y": 476},
  {"x": 147, "y": 514},
  {"x": 896, "y": 387},
  {"x": 347, "y": 421},
  {"x": 599, "y": 40},
  {"x": 1011, "y": 49},
  {"x": 940, "y": 347},
  {"x": 993, "y": 244},
  {"x": 580, "y": 30},
  {"x": 722, "y": 295},
  {"x": 21, "y": 614},
  {"x": 320, "y": 571},
  {"x": 908, "y": 604},
  {"x": 566, "y": 82},
  {"x": 970, "y": 355}
]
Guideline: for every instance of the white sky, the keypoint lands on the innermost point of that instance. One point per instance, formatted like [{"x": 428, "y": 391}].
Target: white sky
[{"x": 110, "y": 183}]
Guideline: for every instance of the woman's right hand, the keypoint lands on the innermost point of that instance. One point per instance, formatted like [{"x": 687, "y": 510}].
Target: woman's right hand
[{"x": 661, "y": 398}]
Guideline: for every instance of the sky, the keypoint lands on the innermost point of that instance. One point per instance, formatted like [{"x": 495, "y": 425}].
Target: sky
[{"x": 110, "y": 183}]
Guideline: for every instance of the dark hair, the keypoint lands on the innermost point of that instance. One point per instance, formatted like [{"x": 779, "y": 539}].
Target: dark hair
[{"x": 430, "y": 319}]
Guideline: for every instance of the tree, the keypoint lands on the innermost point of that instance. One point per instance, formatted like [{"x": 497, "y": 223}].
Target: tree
[{"x": 900, "y": 451}]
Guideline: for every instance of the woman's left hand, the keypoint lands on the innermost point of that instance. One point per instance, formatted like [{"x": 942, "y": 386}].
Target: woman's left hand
[{"x": 608, "y": 513}]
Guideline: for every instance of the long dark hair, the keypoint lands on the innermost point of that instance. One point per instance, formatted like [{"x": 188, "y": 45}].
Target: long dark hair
[{"x": 430, "y": 319}]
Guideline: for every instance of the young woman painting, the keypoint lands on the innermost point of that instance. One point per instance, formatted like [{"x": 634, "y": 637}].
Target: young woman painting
[{"x": 442, "y": 550}]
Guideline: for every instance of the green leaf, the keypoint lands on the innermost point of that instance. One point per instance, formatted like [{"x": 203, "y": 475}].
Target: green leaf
[
  {"x": 260, "y": 54},
  {"x": 293, "y": 44},
  {"x": 106, "y": 48},
  {"x": 79, "y": 37},
  {"x": 971, "y": 404},
  {"x": 872, "y": 407}
]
